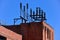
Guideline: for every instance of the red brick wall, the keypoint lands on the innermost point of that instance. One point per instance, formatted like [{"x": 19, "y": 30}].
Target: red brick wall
[
  {"x": 10, "y": 35},
  {"x": 32, "y": 31}
]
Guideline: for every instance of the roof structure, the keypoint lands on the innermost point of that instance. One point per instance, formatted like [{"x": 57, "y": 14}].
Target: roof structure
[{"x": 17, "y": 28}]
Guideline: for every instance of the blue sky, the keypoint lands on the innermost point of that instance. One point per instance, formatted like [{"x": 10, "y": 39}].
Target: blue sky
[{"x": 9, "y": 9}]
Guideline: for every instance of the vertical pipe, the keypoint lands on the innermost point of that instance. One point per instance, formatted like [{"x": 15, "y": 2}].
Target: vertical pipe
[
  {"x": 39, "y": 13},
  {"x": 31, "y": 13},
  {"x": 14, "y": 21},
  {"x": 24, "y": 11},
  {"x": 27, "y": 5},
  {"x": 36, "y": 12},
  {"x": 27, "y": 10},
  {"x": 20, "y": 8},
  {"x": 42, "y": 16},
  {"x": 24, "y": 8}
]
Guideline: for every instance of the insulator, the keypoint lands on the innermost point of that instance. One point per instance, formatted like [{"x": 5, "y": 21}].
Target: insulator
[
  {"x": 30, "y": 11},
  {"x": 24, "y": 8},
  {"x": 33, "y": 14},
  {"x": 36, "y": 10},
  {"x": 20, "y": 5},
  {"x": 27, "y": 5},
  {"x": 39, "y": 11},
  {"x": 44, "y": 16}
]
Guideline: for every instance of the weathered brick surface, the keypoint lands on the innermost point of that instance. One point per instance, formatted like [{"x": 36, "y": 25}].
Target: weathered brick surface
[
  {"x": 30, "y": 31},
  {"x": 10, "y": 35}
]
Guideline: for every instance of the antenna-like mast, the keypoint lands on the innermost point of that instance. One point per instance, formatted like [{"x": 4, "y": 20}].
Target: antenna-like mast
[{"x": 37, "y": 15}]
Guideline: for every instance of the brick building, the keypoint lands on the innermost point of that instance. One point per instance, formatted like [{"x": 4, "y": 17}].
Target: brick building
[{"x": 27, "y": 31}]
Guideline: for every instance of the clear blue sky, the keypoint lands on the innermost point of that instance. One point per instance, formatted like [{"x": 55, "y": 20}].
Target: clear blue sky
[{"x": 9, "y": 9}]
